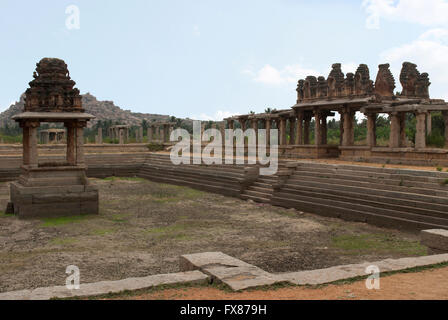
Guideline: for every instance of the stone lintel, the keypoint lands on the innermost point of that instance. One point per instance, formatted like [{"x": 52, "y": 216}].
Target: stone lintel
[{"x": 53, "y": 116}]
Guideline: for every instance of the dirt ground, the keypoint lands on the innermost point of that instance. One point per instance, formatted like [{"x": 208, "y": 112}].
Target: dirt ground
[
  {"x": 144, "y": 227},
  {"x": 424, "y": 285}
]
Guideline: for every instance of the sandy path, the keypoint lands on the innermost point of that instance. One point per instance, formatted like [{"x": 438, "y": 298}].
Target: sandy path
[{"x": 425, "y": 285}]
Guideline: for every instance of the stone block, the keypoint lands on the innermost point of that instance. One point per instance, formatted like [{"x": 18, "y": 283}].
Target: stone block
[{"x": 435, "y": 239}]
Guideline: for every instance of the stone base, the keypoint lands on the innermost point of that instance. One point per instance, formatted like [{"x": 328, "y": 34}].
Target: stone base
[
  {"x": 31, "y": 202},
  {"x": 308, "y": 151},
  {"x": 408, "y": 156},
  {"x": 53, "y": 192}
]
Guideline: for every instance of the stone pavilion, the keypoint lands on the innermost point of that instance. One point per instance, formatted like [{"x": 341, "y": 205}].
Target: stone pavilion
[{"x": 53, "y": 188}]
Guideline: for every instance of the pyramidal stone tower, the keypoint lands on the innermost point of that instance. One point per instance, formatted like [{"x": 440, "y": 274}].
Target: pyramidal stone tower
[{"x": 56, "y": 188}]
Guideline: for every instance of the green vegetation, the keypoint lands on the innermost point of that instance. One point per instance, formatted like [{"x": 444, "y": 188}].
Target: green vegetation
[
  {"x": 59, "y": 221},
  {"x": 169, "y": 193},
  {"x": 63, "y": 241},
  {"x": 377, "y": 243},
  {"x": 177, "y": 231},
  {"x": 102, "y": 232},
  {"x": 440, "y": 169},
  {"x": 119, "y": 218},
  {"x": 154, "y": 147}
]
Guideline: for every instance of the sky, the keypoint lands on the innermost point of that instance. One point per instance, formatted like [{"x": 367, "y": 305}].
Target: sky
[{"x": 209, "y": 59}]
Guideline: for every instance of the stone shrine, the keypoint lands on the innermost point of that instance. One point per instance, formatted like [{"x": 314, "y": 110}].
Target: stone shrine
[{"x": 53, "y": 188}]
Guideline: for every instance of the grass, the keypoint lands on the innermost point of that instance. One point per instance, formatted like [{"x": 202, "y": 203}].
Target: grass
[
  {"x": 119, "y": 217},
  {"x": 169, "y": 193},
  {"x": 377, "y": 243},
  {"x": 177, "y": 231},
  {"x": 440, "y": 169},
  {"x": 60, "y": 221},
  {"x": 63, "y": 241},
  {"x": 102, "y": 232}
]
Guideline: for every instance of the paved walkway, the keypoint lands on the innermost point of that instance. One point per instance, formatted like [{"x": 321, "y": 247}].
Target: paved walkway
[{"x": 424, "y": 285}]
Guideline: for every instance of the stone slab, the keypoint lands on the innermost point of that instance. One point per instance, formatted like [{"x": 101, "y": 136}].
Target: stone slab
[
  {"x": 328, "y": 275},
  {"x": 435, "y": 239},
  {"x": 105, "y": 287},
  {"x": 237, "y": 274},
  {"x": 200, "y": 261}
]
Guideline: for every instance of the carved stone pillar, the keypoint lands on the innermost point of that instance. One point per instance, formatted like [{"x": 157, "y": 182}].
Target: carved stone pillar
[
  {"x": 149, "y": 133},
  {"x": 26, "y": 145},
  {"x": 445, "y": 119},
  {"x": 292, "y": 129},
  {"x": 254, "y": 125},
  {"x": 420, "y": 134},
  {"x": 428, "y": 124},
  {"x": 306, "y": 130},
  {"x": 371, "y": 129},
  {"x": 162, "y": 133},
  {"x": 71, "y": 143},
  {"x": 299, "y": 131},
  {"x": 403, "y": 140},
  {"x": 317, "y": 128},
  {"x": 33, "y": 141},
  {"x": 268, "y": 125},
  {"x": 100, "y": 135},
  {"x": 80, "y": 143},
  {"x": 348, "y": 134},
  {"x": 324, "y": 130},
  {"x": 394, "y": 139},
  {"x": 282, "y": 132},
  {"x": 243, "y": 125}
]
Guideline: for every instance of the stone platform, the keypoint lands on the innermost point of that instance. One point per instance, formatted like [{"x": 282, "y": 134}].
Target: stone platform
[
  {"x": 202, "y": 268},
  {"x": 53, "y": 191}
]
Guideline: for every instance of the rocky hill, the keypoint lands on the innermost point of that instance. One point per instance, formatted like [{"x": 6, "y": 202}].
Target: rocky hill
[{"x": 102, "y": 110}]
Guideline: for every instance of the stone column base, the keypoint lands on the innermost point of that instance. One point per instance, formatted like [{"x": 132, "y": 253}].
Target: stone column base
[{"x": 53, "y": 192}]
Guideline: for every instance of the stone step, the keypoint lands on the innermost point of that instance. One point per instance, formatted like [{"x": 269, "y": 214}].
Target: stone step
[
  {"x": 375, "y": 195},
  {"x": 392, "y": 179},
  {"x": 196, "y": 170},
  {"x": 389, "y": 203},
  {"x": 254, "y": 193},
  {"x": 268, "y": 190},
  {"x": 255, "y": 198},
  {"x": 215, "y": 175},
  {"x": 365, "y": 189},
  {"x": 374, "y": 208},
  {"x": 362, "y": 168},
  {"x": 191, "y": 177},
  {"x": 225, "y": 190},
  {"x": 354, "y": 215},
  {"x": 196, "y": 166},
  {"x": 376, "y": 184}
]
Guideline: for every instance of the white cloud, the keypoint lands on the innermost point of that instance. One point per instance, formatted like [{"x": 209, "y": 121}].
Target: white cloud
[
  {"x": 270, "y": 75},
  {"x": 4, "y": 108},
  {"x": 290, "y": 74},
  {"x": 430, "y": 53},
  {"x": 428, "y": 12},
  {"x": 218, "y": 116},
  {"x": 196, "y": 31}
]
